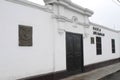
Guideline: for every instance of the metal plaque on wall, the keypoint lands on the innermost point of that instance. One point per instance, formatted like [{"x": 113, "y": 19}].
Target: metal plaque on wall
[{"x": 25, "y": 35}]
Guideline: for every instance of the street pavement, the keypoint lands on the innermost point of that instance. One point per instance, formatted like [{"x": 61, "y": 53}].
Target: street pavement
[
  {"x": 99, "y": 73},
  {"x": 114, "y": 76}
]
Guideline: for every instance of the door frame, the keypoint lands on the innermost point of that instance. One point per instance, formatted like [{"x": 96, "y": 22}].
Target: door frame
[{"x": 82, "y": 54}]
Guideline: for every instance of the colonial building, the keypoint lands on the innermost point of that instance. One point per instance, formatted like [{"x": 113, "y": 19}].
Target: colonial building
[{"x": 52, "y": 41}]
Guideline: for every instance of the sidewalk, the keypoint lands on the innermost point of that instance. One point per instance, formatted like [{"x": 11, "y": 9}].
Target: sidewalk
[{"x": 96, "y": 74}]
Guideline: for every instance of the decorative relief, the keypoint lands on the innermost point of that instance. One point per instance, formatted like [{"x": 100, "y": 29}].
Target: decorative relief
[
  {"x": 73, "y": 20},
  {"x": 25, "y": 35}
]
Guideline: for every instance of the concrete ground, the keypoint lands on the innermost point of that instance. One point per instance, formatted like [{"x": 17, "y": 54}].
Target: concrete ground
[
  {"x": 96, "y": 74},
  {"x": 114, "y": 76}
]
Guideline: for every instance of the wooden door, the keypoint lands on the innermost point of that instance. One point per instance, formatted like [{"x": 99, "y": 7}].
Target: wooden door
[{"x": 74, "y": 50}]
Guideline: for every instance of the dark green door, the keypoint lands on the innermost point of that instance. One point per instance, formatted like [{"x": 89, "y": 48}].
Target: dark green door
[{"x": 74, "y": 50}]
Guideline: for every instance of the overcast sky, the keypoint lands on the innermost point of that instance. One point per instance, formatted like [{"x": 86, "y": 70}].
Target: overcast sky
[{"x": 106, "y": 12}]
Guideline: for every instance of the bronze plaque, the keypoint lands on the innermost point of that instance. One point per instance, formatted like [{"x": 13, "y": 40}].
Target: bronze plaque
[{"x": 25, "y": 35}]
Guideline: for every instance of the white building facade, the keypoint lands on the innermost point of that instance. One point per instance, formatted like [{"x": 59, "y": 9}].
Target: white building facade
[{"x": 52, "y": 41}]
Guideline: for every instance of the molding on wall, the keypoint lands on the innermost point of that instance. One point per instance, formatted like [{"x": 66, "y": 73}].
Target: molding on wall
[
  {"x": 31, "y": 4},
  {"x": 51, "y": 1},
  {"x": 69, "y": 4},
  {"x": 61, "y": 18}
]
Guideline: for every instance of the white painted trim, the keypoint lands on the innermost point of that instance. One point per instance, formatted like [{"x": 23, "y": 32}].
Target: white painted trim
[
  {"x": 31, "y": 4},
  {"x": 104, "y": 27}
]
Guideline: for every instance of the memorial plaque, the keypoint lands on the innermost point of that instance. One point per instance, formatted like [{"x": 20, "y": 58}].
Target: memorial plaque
[{"x": 25, "y": 35}]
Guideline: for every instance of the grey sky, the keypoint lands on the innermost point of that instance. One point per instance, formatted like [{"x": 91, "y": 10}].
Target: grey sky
[{"x": 106, "y": 12}]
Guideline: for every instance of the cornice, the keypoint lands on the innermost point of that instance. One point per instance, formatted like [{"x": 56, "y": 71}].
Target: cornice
[
  {"x": 52, "y": 1},
  {"x": 86, "y": 11},
  {"x": 61, "y": 18},
  {"x": 72, "y": 6},
  {"x": 104, "y": 27},
  {"x": 31, "y": 4}
]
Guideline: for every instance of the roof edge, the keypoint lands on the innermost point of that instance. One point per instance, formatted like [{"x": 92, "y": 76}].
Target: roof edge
[
  {"x": 105, "y": 27},
  {"x": 73, "y": 6},
  {"x": 31, "y": 4}
]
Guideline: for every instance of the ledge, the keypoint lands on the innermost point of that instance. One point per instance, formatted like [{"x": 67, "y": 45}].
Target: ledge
[
  {"x": 31, "y": 4},
  {"x": 72, "y": 6},
  {"x": 91, "y": 23}
]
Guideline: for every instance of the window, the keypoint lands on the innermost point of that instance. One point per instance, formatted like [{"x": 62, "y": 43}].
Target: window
[
  {"x": 92, "y": 40},
  {"x": 98, "y": 45},
  {"x": 113, "y": 46}
]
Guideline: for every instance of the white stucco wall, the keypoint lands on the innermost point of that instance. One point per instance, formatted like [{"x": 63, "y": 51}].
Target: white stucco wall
[
  {"x": 90, "y": 55},
  {"x": 48, "y": 53},
  {"x": 19, "y": 62}
]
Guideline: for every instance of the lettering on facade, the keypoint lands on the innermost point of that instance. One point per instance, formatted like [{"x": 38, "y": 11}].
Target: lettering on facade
[{"x": 97, "y": 31}]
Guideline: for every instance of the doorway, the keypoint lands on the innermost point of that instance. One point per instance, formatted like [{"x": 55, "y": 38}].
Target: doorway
[{"x": 74, "y": 53}]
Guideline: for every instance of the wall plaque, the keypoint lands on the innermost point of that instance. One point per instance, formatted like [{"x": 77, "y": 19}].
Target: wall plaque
[{"x": 25, "y": 35}]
